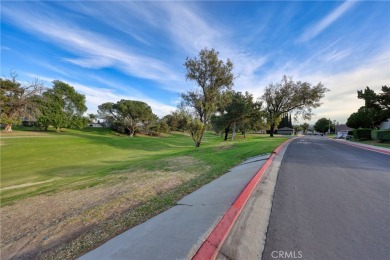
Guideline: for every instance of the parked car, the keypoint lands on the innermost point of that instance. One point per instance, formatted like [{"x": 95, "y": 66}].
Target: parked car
[{"x": 342, "y": 134}]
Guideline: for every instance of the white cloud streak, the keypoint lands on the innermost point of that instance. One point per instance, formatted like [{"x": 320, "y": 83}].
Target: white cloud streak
[
  {"x": 94, "y": 50},
  {"x": 316, "y": 29}
]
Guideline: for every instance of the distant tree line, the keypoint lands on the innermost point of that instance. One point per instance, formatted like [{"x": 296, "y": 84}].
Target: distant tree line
[{"x": 212, "y": 105}]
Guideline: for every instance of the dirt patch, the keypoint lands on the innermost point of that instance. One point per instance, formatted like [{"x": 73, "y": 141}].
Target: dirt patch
[{"x": 44, "y": 221}]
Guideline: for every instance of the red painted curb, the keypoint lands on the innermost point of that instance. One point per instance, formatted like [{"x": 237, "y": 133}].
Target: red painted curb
[
  {"x": 367, "y": 148},
  {"x": 210, "y": 247}
]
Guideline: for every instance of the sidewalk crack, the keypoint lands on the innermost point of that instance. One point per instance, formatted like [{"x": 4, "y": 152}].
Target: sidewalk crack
[
  {"x": 182, "y": 204},
  {"x": 254, "y": 161}
]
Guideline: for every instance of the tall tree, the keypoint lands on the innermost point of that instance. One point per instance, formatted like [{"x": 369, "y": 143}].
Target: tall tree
[
  {"x": 213, "y": 76},
  {"x": 17, "y": 101},
  {"x": 127, "y": 114},
  {"x": 62, "y": 106},
  {"x": 289, "y": 96}
]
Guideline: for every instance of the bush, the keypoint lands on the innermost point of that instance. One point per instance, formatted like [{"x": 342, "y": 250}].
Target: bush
[
  {"x": 362, "y": 134},
  {"x": 350, "y": 132},
  {"x": 380, "y": 135}
]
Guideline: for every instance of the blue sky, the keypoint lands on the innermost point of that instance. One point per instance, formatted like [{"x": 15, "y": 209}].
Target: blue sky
[{"x": 112, "y": 50}]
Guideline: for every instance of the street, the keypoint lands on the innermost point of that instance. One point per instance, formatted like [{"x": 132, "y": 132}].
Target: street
[{"x": 332, "y": 201}]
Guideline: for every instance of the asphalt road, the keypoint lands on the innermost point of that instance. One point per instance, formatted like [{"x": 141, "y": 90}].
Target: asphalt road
[{"x": 332, "y": 201}]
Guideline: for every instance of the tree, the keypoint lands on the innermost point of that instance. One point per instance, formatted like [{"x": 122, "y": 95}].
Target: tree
[
  {"x": 212, "y": 76},
  {"x": 304, "y": 127},
  {"x": 126, "y": 113},
  {"x": 375, "y": 110},
  {"x": 92, "y": 118},
  {"x": 322, "y": 125},
  {"x": 363, "y": 118},
  {"x": 240, "y": 112},
  {"x": 62, "y": 106},
  {"x": 289, "y": 96},
  {"x": 285, "y": 121},
  {"x": 17, "y": 101},
  {"x": 297, "y": 128},
  {"x": 178, "y": 120}
]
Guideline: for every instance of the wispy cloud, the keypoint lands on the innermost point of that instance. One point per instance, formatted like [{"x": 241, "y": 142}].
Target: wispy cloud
[
  {"x": 93, "y": 50},
  {"x": 317, "y": 28},
  {"x": 337, "y": 55}
]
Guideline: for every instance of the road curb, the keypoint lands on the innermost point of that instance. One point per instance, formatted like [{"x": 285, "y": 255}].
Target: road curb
[
  {"x": 366, "y": 147},
  {"x": 211, "y": 246}
]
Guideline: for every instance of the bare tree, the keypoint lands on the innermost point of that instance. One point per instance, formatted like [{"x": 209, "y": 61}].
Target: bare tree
[{"x": 17, "y": 101}]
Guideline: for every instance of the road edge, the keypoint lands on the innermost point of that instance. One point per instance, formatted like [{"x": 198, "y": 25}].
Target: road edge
[
  {"x": 365, "y": 146},
  {"x": 213, "y": 243}
]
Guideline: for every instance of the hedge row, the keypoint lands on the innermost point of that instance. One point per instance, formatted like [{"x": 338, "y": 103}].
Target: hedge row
[
  {"x": 362, "y": 134},
  {"x": 380, "y": 135}
]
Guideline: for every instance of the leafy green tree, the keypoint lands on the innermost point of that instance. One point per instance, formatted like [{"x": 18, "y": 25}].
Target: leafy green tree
[
  {"x": 92, "y": 118},
  {"x": 159, "y": 127},
  {"x": 297, "y": 128},
  {"x": 240, "y": 113},
  {"x": 363, "y": 118},
  {"x": 212, "y": 76},
  {"x": 196, "y": 128},
  {"x": 127, "y": 114},
  {"x": 178, "y": 120},
  {"x": 289, "y": 96},
  {"x": 375, "y": 110},
  {"x": 322, "y": 125},
  {"x": 305, "y": 127},
  {"x": 17, "y": 101},
  {"x": 62, "y": 106}
]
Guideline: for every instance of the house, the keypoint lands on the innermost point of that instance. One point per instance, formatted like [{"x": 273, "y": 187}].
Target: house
[
  {"x": 342, "y": 131},
  {"x": 285, "y": 131},
  {"x": 385, "y": 124}
]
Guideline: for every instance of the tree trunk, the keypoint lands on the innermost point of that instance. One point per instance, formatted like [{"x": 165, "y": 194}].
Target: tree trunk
[
  {"x": 234, "y": 130},
  {"x": 8, "y": 128},
  {"x": 226, "y": 132},
  {"x": 271, "y": 134}
]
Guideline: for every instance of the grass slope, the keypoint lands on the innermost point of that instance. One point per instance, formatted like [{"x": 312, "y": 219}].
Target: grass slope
[
  {"x": 149, "y": 173},
  {"x": 80, "y": 158}
]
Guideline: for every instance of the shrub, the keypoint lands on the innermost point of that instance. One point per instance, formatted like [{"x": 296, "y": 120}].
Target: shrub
[
  {"x": 350, "y": 132},
  {"x": 380, "y": 135},
  {"x": 362, "y": 134}
]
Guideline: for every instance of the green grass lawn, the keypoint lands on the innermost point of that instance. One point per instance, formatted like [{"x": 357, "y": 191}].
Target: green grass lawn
[
  {"x": 145, "y": 175},
  {"x": 81, "y": 158}
]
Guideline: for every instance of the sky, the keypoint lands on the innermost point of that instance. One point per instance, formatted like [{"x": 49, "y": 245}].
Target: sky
[{"x": 113, "y": 50}]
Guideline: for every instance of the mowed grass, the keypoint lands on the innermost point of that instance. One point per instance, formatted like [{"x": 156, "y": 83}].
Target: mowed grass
[
  {"x": 80, "y": 158},
  {"x": 103, "y": 182}
]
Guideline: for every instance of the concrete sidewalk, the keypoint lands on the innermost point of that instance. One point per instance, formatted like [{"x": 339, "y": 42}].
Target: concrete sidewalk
[{"x": 179, "y": 232}]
